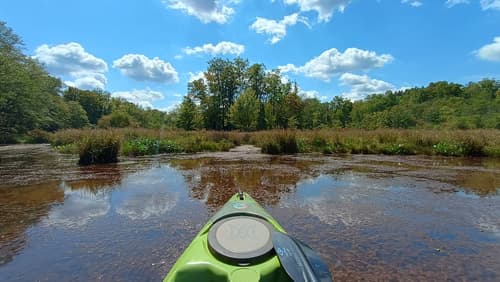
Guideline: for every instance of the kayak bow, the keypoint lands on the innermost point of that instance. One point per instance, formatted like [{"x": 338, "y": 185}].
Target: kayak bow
[{"x": 239, "y": 244}]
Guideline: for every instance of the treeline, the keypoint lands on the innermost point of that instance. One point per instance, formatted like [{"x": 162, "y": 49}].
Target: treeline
[
  {"x": 236, "y": 95},
  {"x": 32, "y": 99},
  {"x": 439, "y": 105}
]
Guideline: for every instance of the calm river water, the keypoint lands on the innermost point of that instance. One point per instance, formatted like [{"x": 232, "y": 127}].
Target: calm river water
[{"x": 370, "y": 217}]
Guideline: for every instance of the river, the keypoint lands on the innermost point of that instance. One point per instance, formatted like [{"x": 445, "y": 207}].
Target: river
[{"x": 370, "y": 217}]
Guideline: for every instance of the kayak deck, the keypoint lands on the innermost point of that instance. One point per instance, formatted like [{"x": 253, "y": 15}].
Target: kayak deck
[{"x": 235, "y": 226}]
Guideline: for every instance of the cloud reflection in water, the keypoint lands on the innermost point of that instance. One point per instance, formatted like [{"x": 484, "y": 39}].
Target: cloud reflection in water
[
  {"x": 79, "y": 208},
  {"x": 146, "y": 204}
]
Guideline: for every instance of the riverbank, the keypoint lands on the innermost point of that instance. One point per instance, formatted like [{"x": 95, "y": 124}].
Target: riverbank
[{"x": 139, "y": 142}]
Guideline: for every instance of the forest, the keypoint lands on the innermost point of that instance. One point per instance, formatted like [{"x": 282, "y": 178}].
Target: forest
[{"x": 233, "y": 95}]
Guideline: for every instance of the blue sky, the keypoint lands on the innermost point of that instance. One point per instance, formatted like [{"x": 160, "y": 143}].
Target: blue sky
[{"x": 147, "y": 51}]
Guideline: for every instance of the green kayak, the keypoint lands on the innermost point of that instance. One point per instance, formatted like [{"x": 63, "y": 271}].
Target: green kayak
[{"x": 242, "y": 242}]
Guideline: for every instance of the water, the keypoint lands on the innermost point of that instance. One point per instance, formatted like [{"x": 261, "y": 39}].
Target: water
[{"x": 370, "y": 217}]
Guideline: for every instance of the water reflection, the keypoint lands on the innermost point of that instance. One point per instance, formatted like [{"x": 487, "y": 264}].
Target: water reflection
[
  {"x": 334, "y": 205},
  {"x": 375, "y": 228},
  {"x": 370, "y": 217},
  {"x": 79, "y": 208},
  {"x": 483, "y": 183},
  {"x": 149, "y": 193},
  {"x": 214, "y": 182},
  {"x": 478, "y": 176},
  {"x": 96, "y": 178},
  {"x": 21, "y": 208}
]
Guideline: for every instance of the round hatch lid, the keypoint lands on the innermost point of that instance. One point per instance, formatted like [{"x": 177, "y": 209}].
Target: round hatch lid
[{"x": 240, "y": 239}]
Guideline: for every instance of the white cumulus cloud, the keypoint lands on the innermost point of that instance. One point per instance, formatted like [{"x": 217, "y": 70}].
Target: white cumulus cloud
[
  {"x": 277, "y": 29},
  {"x": 221, "y": 48},
  {"x": 362, "y": 85},
  {"x": 172, "y": 107},
  {"x": 412, "y": 3},
  {"x": 71, "y": 60},
  {"x": 88, "y": 81},
  {"x": 196, "y": 76},
  {"x": 485, "y": 4},
  {"x": 451, "y": 3},
  {"x": 205, "y": 10},
  {"x": 332, "y": 62},
  {"x": 142, "y": 68},
  {"x": 490, "y": 52},
  {"x": 312, "y": 94},
  {"x": 490, "y": 4},
  {"x": 142, "y": 97},
  {"x": 324, "y": 8}
]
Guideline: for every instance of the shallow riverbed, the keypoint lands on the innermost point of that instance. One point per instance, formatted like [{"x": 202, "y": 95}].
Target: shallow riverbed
[{"x": 371, "y": 217}]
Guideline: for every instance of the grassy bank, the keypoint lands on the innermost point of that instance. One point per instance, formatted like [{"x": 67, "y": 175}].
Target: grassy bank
[
  {"x": 136, "y": 142},
  {"x": 382, "y": 141},
  {"x": 139, "y": 142}
]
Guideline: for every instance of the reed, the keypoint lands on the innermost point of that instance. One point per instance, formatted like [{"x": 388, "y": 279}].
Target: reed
[
  {"x": 138, "y": 141},
  {"x": 98, "y": 148}
]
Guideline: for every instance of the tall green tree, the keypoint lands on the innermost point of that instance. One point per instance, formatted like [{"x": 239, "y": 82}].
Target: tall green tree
[
  {"x": 95, "y": 102},
  {"x": 244, "y": 112},
  {"x": 77, "y": 116},
  {"x": 28, "y": 94},
  {"x": 256, "y": 81},
  {"x": 224, "y": 79},
  {"x": 342, "y": 109},
  {"x": 188, "y": 118}
]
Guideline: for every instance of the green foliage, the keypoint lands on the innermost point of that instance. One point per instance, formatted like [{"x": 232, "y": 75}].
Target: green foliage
[
  {"x": 117, "y": 119},
  {"x": 28, "y": 95},
  {"x": 225, "y": 80},
  {"x": 77, "y": 116},
  {"x": 189, "y": 118},
  {"x": 397, "y": 149},
  {"x": 37, "y": 136},
  {"x": 96, "y": 103},
  {"x": 139, "y": 142},
  {"x": 244, "y": 112},
  {"x": 465, "y": 147},
  {"x": 448, "y": 149},
  {"x": 67, "y": 149},
  {"x": 141, "y": 147},
  {"x": 439, "y": 105},
  {"x": 99, "y": 148},
  {"x": 148, "y": 146}
]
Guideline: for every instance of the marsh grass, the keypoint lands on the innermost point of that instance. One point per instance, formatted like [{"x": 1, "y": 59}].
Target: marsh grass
[
  {"x": 383, "y": 141},
  {"x": 98, "y": 148},
  {"x": 140, "y": 142},
  {"x": 137, "y": 141}
]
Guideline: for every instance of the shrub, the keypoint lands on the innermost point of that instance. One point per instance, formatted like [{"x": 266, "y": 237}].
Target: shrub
[
  {"x": 67, "y": 149},
  {"x": 99, "y": 148},
  {"x": 8, "y": 139},
  {"x": 37, "y": 136},
  {"x": 169, "y": 147},
  {"x": 448, "y": 149},
  {"x": 397, "y": 149},
  {"x": 281, "y": 143},
  {"x": 141, "y": 146}
]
